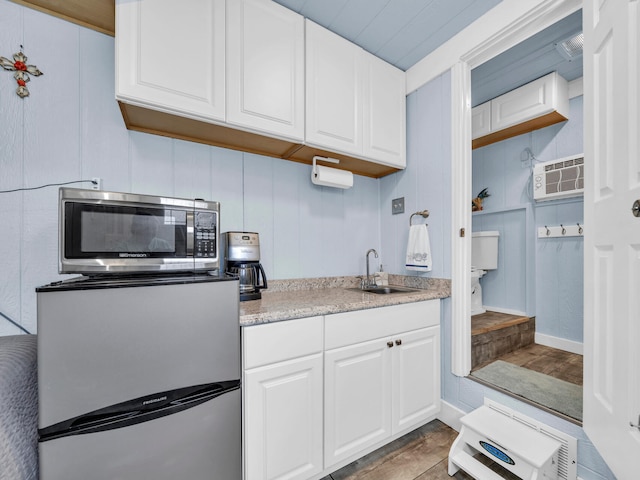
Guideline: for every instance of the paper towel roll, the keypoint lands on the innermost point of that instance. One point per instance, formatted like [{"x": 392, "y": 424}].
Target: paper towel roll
[{"x": 332, "y": 177}]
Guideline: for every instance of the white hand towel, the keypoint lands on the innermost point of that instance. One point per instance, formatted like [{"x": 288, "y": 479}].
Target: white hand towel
[{"x": 419, "y": 249}]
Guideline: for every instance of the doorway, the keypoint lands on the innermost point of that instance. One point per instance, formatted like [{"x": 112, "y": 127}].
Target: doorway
[
  {"x": 462, "y": 173},
  {"x": 539, "y": 280}
]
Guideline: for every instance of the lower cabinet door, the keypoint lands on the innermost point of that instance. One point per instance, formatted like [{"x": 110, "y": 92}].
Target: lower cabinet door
[
  {"x": 357, "y": 398},
  {"x": 416, "y": 377},
  {"x": 283, "y": 420}
]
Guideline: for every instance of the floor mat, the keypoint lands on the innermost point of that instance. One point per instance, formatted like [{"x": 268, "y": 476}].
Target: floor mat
[{"x": 558, "y": 395}]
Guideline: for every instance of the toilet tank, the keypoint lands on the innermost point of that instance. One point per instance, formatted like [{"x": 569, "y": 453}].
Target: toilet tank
[{"x": 484, "y": 250}]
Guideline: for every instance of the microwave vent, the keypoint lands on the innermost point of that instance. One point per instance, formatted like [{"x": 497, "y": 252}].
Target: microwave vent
[{"x": 557, "y": 179}]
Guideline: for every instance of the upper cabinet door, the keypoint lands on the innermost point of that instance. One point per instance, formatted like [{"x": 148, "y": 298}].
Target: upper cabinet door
[
  {"x": 384, "y": 112},
  {"x": 170, "y": 56},
  {"x": 265, "y": 68},
  {"x": 535, "y": 99},
  {"x": 481, "y": 120},
  {"x": 334, "y": 91}
]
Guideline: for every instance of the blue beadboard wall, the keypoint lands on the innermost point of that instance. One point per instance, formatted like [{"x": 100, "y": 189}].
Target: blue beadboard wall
[
  {"x": 541, "y": 277},
  {"x": 424, "y": 184},
  {"x": 70, "y": 128}
]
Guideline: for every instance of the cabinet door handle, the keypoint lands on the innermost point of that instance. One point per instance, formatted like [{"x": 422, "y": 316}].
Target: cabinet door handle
[
  {"x": 399, "y": 341},
  {"x": 389, "y": 344}
]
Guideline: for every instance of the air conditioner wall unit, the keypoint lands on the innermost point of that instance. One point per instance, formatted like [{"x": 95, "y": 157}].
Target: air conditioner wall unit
[{"x": 562, "y": 178}]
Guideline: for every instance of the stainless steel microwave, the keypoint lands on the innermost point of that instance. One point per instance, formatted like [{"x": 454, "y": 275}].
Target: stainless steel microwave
[{"x": 118, "y": 233}]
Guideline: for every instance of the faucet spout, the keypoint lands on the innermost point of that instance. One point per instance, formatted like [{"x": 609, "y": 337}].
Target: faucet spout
[{"x": 368, "y": 282}]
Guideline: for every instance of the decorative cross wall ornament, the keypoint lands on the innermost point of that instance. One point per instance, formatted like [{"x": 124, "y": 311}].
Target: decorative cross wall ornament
[{"x": 19, "y": 65}]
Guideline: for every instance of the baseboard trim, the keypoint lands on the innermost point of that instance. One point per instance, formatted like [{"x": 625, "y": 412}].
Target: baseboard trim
[
  {"x": 559, "y": 343},
  {"x": 450, "y": 415},
  {"x": 504, "y": 310}
]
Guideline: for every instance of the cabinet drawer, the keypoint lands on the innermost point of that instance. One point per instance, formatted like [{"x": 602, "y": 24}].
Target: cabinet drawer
[
  {"x": 347, "y": 328},
  {"x": 279, "y": 341}
]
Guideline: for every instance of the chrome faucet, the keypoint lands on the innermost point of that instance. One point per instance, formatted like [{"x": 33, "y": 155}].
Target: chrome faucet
[{"x": 368, "y": 282}]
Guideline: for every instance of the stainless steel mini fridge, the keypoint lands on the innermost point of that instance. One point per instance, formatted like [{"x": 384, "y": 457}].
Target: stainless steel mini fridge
[{"x": 139, "y": 378}]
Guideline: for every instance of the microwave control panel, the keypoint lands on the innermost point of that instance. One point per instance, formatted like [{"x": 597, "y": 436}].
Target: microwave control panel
[{"x": 205, "y": 235}]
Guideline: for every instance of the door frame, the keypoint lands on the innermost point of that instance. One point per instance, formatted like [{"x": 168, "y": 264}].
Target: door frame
[{"x": 543, "y": 15}]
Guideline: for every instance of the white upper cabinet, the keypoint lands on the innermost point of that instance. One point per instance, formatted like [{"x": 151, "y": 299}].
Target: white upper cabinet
[
  {"x": 265, "y": 68},
  {"x": 334, "y": 91},
  {"x": 384, "y": 112},
  {"x": 356, "y": 102},
  {"x": 254, "y": 76},
  {"x": 536, "y": 99},
  {"x": 537, "y": 104},
  {"x": 481, "y": 120},
  {"x": 170, "y": 56}
]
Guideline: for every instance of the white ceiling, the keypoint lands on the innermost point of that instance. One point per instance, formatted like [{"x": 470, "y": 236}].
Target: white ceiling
[{"x": 402, "y": 32}]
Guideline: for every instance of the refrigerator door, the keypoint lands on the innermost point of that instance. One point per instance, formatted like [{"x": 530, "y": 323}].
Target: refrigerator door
[
  {"x": 105, "y": 346},
  {"x": 201, "y": 443}
]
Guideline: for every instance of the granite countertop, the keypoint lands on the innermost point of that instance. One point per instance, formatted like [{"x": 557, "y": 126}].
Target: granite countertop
[{"x": 299, "y": 298}]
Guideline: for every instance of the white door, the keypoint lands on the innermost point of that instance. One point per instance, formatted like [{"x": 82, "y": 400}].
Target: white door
[
  {"x": 170, "y": 56},
  {"x": 416, "y": 377},
  {"x": 283, "y": 420},
  {"x": 612, "y": 234},
  {"x": 265, "y": 68},
  {"x": 383, "y": 112},
  {"x": 334, "y": 91},
  {"x": 357, "y": 396}
]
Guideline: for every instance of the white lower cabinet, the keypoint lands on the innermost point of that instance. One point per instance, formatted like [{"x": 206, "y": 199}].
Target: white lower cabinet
[
  {"x": 283, "y": 400},
  {"x": 319, "y": 392},
  {"x": 416, "y": 377},
  {"x": 357, "y": 398},
  {"x": 377, "y": 389},
  {"x": 284, "y": 418}
]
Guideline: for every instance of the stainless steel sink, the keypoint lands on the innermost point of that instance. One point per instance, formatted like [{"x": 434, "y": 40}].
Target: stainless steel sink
[{"x": 385, "y": 290}]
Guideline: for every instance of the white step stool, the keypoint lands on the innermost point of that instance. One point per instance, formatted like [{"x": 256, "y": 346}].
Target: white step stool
[{"x": 522, "y": 450}]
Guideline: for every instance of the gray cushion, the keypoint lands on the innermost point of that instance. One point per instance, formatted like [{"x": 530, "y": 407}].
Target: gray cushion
[{"x": 18, "y": 408}]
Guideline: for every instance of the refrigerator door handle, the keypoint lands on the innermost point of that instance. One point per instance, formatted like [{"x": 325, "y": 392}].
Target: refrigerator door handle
[{"x": 138, "y": 410}]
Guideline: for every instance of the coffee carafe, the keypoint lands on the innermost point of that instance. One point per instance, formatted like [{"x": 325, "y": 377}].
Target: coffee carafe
[{"x": 242, "y": 260}]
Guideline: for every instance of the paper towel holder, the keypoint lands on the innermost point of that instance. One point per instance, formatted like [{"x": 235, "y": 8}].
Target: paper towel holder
[{"x": 346, "y": 180}]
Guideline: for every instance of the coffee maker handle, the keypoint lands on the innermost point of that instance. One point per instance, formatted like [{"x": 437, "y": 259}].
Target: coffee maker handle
[{"x": 264, "y": 278}]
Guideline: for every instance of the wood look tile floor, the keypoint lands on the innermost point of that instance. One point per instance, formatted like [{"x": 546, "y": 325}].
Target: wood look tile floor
[
  {"x": 550, "y": 361},
  {"x": 419, "y": 455}
]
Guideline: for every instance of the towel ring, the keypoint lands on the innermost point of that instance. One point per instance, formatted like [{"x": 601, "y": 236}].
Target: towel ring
[{"x": 423, "y": 213}]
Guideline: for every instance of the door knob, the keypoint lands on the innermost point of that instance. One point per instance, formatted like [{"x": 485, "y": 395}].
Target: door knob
[
  {"x": 635, "y": 209},
  {"x": 399, "y": 342},
  {"x": 389, "y": 344}
]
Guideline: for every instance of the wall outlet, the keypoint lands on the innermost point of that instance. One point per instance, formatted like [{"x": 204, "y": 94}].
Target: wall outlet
[
  {"x": 96, "y": 183},
  {"x": 397, "y": 205}
]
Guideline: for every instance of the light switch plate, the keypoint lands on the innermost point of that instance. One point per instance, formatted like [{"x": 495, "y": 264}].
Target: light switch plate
[{"x": 397, "y": 205}]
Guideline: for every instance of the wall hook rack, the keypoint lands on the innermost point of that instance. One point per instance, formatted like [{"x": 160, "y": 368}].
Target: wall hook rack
[
  {"x": 576, "y": 230},
  {"x": 423, "y": 213}
]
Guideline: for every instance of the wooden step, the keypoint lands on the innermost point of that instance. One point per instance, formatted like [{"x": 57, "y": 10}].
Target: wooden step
[{"x": 495, "y": 334}]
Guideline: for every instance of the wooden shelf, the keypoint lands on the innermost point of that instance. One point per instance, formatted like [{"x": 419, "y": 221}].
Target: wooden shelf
[
  {"x": 526, "y": 127},
  {"x": 99, "y": 15},
  {"x": 168, "y": 125}
]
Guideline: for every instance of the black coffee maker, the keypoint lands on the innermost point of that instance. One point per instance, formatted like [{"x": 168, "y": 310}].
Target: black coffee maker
[{"x": 242, "y": 260}]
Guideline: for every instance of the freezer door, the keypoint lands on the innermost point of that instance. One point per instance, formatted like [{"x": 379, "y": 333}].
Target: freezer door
[
  {"x": 102, "y": 347},
  {"x": 201, "y": 443}
]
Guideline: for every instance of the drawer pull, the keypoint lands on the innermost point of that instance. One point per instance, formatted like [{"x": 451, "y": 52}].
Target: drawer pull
[
  {"x": 389, "y": 344},
  {"x": 399, "y": 341}
]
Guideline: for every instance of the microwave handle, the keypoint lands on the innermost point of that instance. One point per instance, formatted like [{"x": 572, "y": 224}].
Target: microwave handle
[{"x": 190, "y": 233}]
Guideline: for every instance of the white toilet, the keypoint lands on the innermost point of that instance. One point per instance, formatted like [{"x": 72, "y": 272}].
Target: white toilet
[{"x": 484, "y": 256}]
